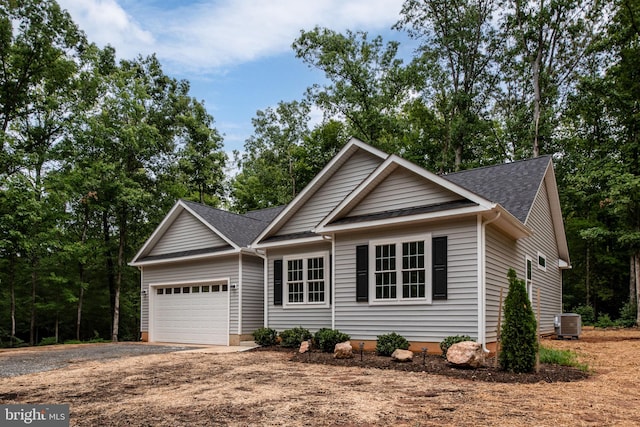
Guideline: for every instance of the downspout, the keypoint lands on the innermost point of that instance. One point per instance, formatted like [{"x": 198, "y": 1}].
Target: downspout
[
  {"x": 482, "y": 280},
  {"x": 333, "y": 282},
  {"x": 239, "y": 294}
]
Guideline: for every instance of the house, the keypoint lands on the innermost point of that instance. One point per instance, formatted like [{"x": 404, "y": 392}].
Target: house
[
  {"x": 375, "y": 244},
  {"x": 200, "y": 282}
]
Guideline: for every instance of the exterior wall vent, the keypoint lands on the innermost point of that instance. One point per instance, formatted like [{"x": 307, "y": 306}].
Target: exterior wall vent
[{"x": 568, "y": 325}]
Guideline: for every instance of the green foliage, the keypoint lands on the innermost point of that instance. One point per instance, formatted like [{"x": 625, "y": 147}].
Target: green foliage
[
  {"x": 73, "y": 342},
  {"x": 604, "y": 321},
  {"x": 48, "y": 341},
  {"x": 326, "y": 339},
  {"x": 451, "y": 340},
  {"x": 265, "y": 336},
  {"x": 519, "y": 339},
  {"x": 587, "y": 313},
  {"x": 561, "y": 357},
  {"x": 292, "y": 338},
  {"x": 388, "y": 343},
  {"x": 627, "y": 315}
]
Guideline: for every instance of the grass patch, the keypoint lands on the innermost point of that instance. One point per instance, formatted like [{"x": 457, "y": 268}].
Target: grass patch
[{"x": 562, "y": 358}]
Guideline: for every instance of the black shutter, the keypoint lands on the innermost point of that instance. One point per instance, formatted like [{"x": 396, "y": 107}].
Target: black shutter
[
  {"x": 330, "y": 277},
  {"x": 439, "y": 248},
  {"x": 362, "y": 273},
  {"x": 277, "y": 282}
]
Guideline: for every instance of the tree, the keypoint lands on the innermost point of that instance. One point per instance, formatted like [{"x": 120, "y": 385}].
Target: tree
[
  {"x": 368, "y": 83},
  {"x": 458, "y": 67},
  {"x": 519, "y": 338}
]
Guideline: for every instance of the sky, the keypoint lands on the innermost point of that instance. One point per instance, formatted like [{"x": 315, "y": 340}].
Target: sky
[{"x": 235, "y": 53}]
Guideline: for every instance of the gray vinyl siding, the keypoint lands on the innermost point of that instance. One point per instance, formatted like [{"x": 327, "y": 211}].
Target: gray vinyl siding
[
  {"x": 202, "y": 270},
  {"x": 403, "y": 189},
  {"x": 543, "y": 240},
  {"x": 282, "y": 317},
  {"x": 186, "y": 233},
  {"x": 420, "y": 322},
  {"x": 252, "y": 293},
  {"x": 347, "y": 178},
  {"x": 501, "y": 255},
  {"x": 504, "y": 253}
]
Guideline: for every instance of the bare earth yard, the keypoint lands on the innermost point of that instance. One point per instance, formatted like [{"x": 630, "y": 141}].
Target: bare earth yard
[{"x": 268, "y": 388}]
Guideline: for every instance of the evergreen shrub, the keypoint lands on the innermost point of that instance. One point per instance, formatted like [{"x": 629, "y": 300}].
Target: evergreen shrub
[
  {"x": 388, "y": 343},
  {"x": 294, "y": 337},
  {"x": 265, "y": 337},
  {"x": 519, "y": 338},
  {"x": 326, "y": 339}
]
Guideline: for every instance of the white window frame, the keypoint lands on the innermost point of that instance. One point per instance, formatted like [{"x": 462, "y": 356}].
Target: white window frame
[
  {"x": 528, "y": 279},
  {"x": 541, "y": 255},
  {"x": 398, "y": 241},
  {"x": 305, "y": 279}
]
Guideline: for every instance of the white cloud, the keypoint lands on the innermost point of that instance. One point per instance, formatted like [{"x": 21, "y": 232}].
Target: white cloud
[{"x": 214, "y": 34}]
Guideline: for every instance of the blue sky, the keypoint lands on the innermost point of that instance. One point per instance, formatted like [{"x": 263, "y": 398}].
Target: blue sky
[{"x": 235, "y": 53}]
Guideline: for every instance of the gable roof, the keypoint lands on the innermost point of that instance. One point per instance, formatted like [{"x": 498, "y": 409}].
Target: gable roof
[
  {"x": 353, "y": 146},
  {"x": 512, "y": 185},
  {"x": 236, "y": 229},
  {"x": 471, "y": 202}
]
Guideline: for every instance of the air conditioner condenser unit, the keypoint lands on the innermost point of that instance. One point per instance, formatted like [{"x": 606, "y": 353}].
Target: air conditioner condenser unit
[{"x": 568, "y": 325}]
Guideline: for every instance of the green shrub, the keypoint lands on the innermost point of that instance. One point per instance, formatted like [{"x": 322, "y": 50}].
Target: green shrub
[
  {"x": 451, "y": 340},
  {"x": 265, "y": 337},
  {"x": 628, "y": 314},
  {"x": 604, "y": 321},
  {"x": 519, "y": 338},
  {"x": 388, "y": 343},
  {"x": 73, "y": 342},
  {"x": 48, "y": 341},
  {"x": 587, "y": 314},
  {"x": 294, "y": 337},
  {"x": 561, "y": 357},
  {"x": 326, "y": 339}
]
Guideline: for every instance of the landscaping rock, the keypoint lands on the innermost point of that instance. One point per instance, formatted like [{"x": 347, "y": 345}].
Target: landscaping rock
[
  {"x": 343, "y": 350},
  {"x": 466, "y": 354},
  {"x": 400, "y": 355},
  {"x": 304, "y": 347}
]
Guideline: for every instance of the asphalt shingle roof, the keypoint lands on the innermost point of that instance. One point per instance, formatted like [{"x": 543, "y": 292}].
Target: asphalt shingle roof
[
  {"x": 241, "y": 229},
  {"x": 513, "y": 185}
]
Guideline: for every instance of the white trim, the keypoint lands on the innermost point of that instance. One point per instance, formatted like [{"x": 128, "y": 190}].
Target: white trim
[
  {"x": 332, "y": 285},
  {"x": 186, "y": 258},
  {"x": 398, "y": 241},
  {"x": 540, "y": 267},
  {"x": 285, "y": 287},
  {"x": 287, "y": 242},
  {"x": 239, "y": 293},
  {"x": 528, "y": 281},
  {"x": 347, "y": 151}
]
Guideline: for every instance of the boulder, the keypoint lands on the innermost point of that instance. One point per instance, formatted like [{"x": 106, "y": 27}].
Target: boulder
[
  {"x": 343, "y": 350},
  {"x": 304, "y": 347},
  {"x": 466, "y": 354},
  {"x": 400, "y": 355}
]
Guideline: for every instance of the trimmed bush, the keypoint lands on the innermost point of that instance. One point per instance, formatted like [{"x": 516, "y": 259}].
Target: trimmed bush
[
  {"x": 451, "y": 340},
  {"x": 519, "y": 339},
  {"x": 294, "y": 337},
  {"x": 265, "y": 337},
  {"x": 48, "y": 341},
  {"x": 604, "y": 321},
  {"x": 326, "y": 339},
  {"x": 388, "y": 343}
]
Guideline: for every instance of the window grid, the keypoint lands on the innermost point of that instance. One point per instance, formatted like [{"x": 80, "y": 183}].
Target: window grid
[
  {"x": 410, "y": 269},
  {"x": 413, "y": 272},
  {"x": 295, "y": 280},
  {"x": 385, "y": 272},
  {"x": 315, "y": 277}
]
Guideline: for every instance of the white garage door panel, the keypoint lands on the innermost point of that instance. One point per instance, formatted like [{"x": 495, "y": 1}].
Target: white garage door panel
[{"x": 197, "y": 318}]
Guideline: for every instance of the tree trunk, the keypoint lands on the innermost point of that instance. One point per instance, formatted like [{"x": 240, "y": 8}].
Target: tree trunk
[
  {"x": 632, "y": 278},
  {"x": 637, "y": 275},
  {"x": 34, "y": 280},
  {"x": 12, "y": 292},
  {"x": 536, "y": 103},
  {"x": 109, "y": 262},
  {"x": 587, "y": 278},
  {"x": 121, "y": 246},
  {"x": 80, "y": 298}
]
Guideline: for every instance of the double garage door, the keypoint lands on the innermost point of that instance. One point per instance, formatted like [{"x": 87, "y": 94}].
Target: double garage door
[{"x": 190, "y": 313}]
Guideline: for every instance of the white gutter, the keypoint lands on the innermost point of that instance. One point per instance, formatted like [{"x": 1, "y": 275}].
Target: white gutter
[
  {"x": 239, "y": 293},
  {"x": 482, "y": 280},
  {"x": 333, "y": 282}
]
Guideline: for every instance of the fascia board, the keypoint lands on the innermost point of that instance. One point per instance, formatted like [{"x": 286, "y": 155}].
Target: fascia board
[
  {"x": 160, "y": 229},
  {"x": 388, "y": 166},
  {"x": 347, "y": 150},
  {"x": 211, "y": 227},
  {"x": 181, "y": 259},
  {"x": 287, "y": 243}
]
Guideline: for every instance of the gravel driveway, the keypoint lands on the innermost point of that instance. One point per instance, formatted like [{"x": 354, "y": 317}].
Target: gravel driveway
[{"x": 29, "y": 360}]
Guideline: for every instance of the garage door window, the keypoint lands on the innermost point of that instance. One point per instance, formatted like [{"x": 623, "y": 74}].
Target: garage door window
[
  {"x": 205, "y": 289},
  {"x": 195, "y": 289},
  {"x": 160, "y": 291}
]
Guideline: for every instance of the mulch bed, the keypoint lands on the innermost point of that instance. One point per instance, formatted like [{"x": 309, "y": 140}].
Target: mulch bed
[{"x": 436, "y": 364}]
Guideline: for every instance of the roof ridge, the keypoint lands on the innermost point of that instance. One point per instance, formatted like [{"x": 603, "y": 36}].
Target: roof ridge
[
  {"x": 224, "y": 211},
  {"x": 544, "y": 156}
]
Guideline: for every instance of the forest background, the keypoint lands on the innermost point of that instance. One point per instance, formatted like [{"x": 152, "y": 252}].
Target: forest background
[{"x": 94, "y": 150}]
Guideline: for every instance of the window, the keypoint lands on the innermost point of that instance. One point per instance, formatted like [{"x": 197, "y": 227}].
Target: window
[
  {"x": 176, "y": 290},
  {"x": 167, "y": 291},
  {"x": 186, "y": 289},
  {"x": 160, "y": 291},
  {"x": 542, "y": 262},
  {"x": 215, "y": 288},
  {"x": 306, "y": 279},
  {"x": 195, "y": 289},
  {"x": 225, "y": 288},
  {"x": 529, "y": 276},
  {"x": 399, "y": 269},
  {"x": 205, "y": 288}
]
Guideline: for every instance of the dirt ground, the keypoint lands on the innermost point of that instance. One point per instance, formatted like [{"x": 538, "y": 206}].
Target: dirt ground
[{"x": 269, "y": 388}]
